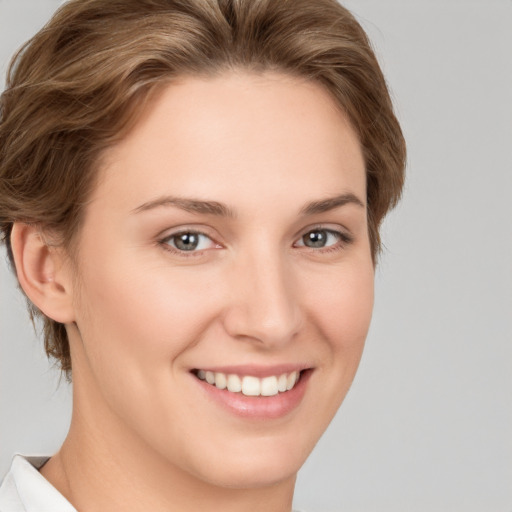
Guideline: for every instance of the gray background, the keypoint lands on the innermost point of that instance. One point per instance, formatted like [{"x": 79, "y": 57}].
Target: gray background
[{"x": 427, "y": 425}]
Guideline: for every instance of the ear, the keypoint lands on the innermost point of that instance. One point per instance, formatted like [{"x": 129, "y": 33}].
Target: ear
[{"x": 43, "y": 272}]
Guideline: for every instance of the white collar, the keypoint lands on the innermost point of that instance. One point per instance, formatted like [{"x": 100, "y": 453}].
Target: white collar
[{"x": 24, "y": 489}]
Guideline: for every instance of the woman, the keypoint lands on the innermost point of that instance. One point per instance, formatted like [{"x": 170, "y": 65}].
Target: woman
[{"x": 191, "y": 193}]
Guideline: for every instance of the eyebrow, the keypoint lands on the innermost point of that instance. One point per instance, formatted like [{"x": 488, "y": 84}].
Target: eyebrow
[
  {"x": 330, "y": 203},
  {"x": 221, "y": 210},
  {"x": 189, "y": 205}
]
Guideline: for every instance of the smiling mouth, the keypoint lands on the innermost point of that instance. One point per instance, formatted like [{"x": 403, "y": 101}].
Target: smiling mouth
[{"x": 249, "y": 385}]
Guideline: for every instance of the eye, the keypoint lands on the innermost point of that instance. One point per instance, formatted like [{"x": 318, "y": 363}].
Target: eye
[
  {"x": 320, "y": 238},
  {"x": 188, "y": 241}
]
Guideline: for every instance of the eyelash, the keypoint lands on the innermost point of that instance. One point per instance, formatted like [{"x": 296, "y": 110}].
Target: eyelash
[{"x": 344, "y": 239}]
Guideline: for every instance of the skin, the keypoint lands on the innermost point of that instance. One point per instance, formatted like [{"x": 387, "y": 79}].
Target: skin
[{"x": 140, "y": 317}]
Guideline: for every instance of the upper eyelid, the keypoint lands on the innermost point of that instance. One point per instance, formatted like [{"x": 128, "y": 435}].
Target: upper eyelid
[
  {"x": 170, "y": 232},
  {"x": 344, "y": 236},
  {"x": 183, "y": 231},
  {"x": 204, "y": 231},
  {"x": 326, "y": 227}
]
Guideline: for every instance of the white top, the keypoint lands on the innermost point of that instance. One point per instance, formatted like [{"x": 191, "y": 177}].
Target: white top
[{"x": 24, "y": 489}]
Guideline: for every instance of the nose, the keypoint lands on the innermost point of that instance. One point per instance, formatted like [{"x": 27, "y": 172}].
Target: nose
[{"x": 263, "y": 301}]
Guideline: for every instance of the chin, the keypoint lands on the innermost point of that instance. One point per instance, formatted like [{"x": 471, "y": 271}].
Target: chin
[
  {"x": 251, "y": 474},
  {"x": 266, "y": 463}
]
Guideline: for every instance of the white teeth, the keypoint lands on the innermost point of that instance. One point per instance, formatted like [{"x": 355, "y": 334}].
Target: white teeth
[
  {"x": 249, "y": 385},
  {"x": 269, "y": 386},
  {"x": 290, "y": 382},
  {"x": 281, "y": 383},
  {"x": 220, "y": 380},
  {"x": 234, "y": 384}
]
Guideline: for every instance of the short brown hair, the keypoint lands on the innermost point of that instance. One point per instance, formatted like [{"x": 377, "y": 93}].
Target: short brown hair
[{"x": 77, "y": 86}]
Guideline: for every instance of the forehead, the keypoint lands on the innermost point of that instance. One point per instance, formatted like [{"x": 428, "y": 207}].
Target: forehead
[{"x": 236, "y": 135}]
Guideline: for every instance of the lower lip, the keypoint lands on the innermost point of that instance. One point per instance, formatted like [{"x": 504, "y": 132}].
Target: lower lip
[{"x": 258, "y": 407}]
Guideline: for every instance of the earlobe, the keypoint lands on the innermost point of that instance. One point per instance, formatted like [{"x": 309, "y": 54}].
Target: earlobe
[{"x": 42, "y": 272}]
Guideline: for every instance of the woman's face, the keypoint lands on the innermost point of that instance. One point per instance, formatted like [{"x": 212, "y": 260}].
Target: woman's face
[{"x": 226, "y": 239}]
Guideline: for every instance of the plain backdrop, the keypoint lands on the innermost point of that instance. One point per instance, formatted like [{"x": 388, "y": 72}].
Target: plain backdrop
[{"x": 427, "y": 425}]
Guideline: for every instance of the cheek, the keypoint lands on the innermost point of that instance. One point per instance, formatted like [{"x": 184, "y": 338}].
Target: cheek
[
  {"x": 136, "y": 322},
  {"x": 344, "y": 316},
  {"x": 148, "y": 315},
  {"x": 340, "y": 309},
  {"x": 345, "y": 309}
]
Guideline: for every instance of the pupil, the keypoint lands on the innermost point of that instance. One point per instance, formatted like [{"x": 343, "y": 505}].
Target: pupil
[
  {"x": 315, "y": 239},
  {"x": 187, "y": 241}
]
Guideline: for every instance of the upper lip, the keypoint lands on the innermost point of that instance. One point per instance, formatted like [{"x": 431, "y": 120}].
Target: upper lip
[{"x": 255, "y": 370}]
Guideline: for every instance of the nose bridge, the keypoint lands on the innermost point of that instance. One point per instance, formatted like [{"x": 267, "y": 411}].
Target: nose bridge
[{"x": 264, "y": 304}]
